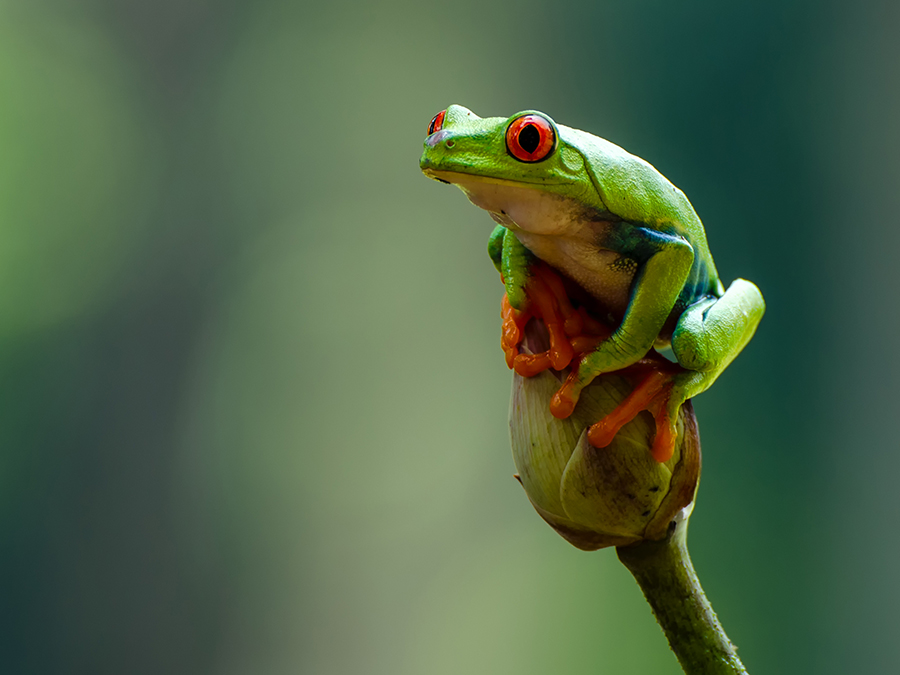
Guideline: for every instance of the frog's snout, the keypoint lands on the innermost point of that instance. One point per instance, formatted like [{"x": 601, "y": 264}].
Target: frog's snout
[{"x": 439, "y": 137}]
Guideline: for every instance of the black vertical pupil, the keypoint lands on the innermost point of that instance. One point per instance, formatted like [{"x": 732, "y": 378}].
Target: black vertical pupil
[
  {"x": 529, "y": 138},
  {"x": 431, "y": 126}
]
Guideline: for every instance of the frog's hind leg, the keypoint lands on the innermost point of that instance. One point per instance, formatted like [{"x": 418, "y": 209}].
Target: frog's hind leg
[
  {"x": 711, "y": 332},
  {"x": 708, "y": 336}
]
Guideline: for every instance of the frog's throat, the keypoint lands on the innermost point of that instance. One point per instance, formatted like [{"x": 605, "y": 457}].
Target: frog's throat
[{"x": 459, "y": 176}]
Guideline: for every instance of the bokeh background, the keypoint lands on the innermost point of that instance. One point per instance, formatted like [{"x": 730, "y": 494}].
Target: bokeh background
[{"x": 252, "y": 401}]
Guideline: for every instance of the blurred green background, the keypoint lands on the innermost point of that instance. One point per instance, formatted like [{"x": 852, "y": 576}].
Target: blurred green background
[{"x": 254, "y": 407}]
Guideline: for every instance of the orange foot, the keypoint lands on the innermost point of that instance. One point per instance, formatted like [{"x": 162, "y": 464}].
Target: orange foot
[
  {"x": 651, "y": 394},
  {"x": 573, "y": 332}
]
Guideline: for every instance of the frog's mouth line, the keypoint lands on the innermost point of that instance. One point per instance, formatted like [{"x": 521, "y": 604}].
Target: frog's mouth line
[{"x": 453, "y": 177}]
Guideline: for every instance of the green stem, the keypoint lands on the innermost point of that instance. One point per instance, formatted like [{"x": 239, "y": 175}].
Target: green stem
[{"x": 665, "y": 574}]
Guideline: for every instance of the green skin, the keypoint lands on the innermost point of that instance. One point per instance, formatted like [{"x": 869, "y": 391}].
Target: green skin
[{"x": 615, "y": 226}]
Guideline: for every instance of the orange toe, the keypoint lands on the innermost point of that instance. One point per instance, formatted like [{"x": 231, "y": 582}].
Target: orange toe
[
  {"x": 666, "y": 435},
  {"x": 562, "y": 405},
  {"x": 529, "y": 365},
  {"x": 513, "y": 330}
]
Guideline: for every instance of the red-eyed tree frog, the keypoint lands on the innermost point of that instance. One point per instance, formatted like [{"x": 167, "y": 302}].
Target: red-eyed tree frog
[{"x": 620, "y": 234}]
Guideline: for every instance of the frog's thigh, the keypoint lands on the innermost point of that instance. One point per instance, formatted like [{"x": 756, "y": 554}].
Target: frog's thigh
[{"x": 712, "y": 332}]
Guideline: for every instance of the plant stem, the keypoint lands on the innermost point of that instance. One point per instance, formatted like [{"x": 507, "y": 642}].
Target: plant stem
[{"x": 665, "y": 574}]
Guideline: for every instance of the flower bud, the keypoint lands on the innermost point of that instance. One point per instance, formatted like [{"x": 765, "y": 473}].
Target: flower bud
[{"x": 598, "y": 497}]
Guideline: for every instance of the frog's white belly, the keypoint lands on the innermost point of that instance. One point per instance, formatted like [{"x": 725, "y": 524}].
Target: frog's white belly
[{"x": 559, "y": 231}]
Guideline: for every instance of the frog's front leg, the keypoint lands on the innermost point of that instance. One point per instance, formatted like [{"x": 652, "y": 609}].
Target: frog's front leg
[
  {"x": 655, "y": 291},
  {"x": 514, "y": 267},
  {"x": 709, "y": 335},
  {"x": 532, "y": 289},
  {"x": 516, "y": 264}
]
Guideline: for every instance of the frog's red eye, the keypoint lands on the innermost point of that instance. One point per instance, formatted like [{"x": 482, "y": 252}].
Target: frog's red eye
[
  {"x": 436, "y": 122},
  {"x": 530, "y": 138}
]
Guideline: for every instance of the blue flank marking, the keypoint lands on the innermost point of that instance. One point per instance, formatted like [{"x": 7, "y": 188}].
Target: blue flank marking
[
  {"x": 640, "y": 243},
  {"x": 696, "y": 286}
]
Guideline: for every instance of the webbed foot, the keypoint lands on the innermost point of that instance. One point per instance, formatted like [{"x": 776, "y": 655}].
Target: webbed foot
[{"x": 658, "y": 394}]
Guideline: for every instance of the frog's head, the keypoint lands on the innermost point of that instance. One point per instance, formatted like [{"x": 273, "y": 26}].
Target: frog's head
[
  {"x": 524, "y": 148},
  {"x": 501, "y": 162}
]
